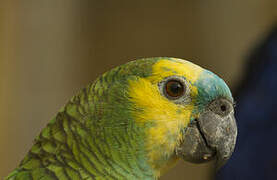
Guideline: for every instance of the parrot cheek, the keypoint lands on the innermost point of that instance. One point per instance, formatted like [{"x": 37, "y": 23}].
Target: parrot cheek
[{"x": 211, "y": 136}]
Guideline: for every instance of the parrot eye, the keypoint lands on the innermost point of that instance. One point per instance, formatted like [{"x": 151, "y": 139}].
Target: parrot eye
[{"x": 174, "y": 88}]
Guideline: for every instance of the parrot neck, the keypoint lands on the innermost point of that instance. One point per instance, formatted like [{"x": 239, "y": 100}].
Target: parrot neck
[{"x": 65, "y": 147}]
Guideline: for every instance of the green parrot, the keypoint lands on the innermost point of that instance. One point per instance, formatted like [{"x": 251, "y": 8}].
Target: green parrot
[{"x": 135, "y": 122}]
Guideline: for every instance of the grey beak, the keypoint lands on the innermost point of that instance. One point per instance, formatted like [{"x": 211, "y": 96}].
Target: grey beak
[{"x": 212, "y": 135}]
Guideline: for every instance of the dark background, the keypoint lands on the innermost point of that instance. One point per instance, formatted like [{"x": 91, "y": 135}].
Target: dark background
[{"x": 49, "y": 49}]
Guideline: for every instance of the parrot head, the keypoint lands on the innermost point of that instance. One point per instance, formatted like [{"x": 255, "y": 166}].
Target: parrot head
[
  {"x": 134, "y": 122},
  {"x": 188, "y": 112}
]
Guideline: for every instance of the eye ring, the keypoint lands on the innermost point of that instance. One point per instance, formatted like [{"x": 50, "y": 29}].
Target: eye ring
[
  {"x": 174, "y": 88},
  {"x": 183, "y": 96}
]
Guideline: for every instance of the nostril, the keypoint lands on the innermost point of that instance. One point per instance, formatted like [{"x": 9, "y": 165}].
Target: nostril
[{"x": 223, "y": 108}]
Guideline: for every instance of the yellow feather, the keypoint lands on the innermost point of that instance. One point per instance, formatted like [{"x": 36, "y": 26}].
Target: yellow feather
[
  {"x": 167, "y": 117},
  {"x": 165, "y": 68}
]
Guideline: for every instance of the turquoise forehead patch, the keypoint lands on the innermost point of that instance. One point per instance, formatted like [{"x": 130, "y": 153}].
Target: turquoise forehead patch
[{"x": 210, "y": 87}]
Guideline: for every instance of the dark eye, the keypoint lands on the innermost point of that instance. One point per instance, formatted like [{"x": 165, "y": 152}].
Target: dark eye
[{"x": 174, "y": 88}]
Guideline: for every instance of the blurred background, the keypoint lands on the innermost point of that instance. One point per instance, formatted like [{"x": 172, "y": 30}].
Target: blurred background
[{"x": 50, "y": 49}]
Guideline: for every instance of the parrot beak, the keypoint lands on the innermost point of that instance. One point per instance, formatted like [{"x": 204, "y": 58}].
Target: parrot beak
[{"x": 211, "y": 136}]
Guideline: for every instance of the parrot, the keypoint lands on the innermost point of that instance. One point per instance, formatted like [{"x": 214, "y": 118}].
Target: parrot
[{"x": 136, "y": 121}]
